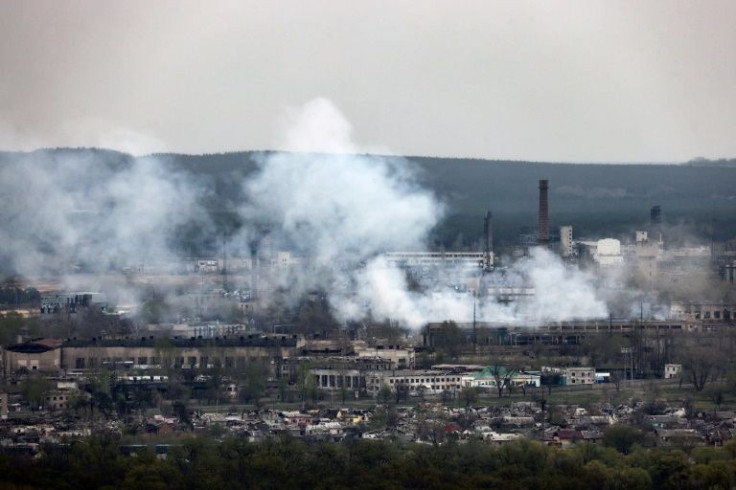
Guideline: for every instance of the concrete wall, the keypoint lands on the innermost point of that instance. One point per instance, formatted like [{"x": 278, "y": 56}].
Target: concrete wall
[{"x": 46, "y": 362}]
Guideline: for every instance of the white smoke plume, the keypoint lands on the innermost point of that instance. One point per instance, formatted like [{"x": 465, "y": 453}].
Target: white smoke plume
[
  {"x": 340, "y": 208},
  {"x": 558, "y": 292},
  {"x": 66, "y": 211},
  {"x": 336, "y": 208}
]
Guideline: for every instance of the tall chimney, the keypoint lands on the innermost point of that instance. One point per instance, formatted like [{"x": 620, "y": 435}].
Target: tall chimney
[
  {"x": 543, "y": 234},
  {"x": 488, "y": 228},
  {"x": 655, "y": 218},
  {"x": 655, "y": 215}
]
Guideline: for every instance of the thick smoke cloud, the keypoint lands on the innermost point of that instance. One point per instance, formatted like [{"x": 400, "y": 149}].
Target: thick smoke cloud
[
  {"x": 69, "y": 211},
  {"x": 557, "y": 292},
  {"x": 341, "y": 208},
  {"x": 334, "y": 207},
  {"x": 337, "y": 209}
]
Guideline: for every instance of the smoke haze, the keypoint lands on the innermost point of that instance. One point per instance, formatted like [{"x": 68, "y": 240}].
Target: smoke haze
[
  {"x": 65, "y": 211},
  {"x": 336, "y": 209}
]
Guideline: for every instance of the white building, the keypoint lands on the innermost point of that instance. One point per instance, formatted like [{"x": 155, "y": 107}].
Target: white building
[
  {"x": 428, "y": 381},
  {"x": 579, "y": 376},
  {"x": 206, "y": 266},
  {"x": 672, "y": 371},
  {"x": 608, "y": 252},
  {"x": 400, "y": 357},
  {"x": 574, "y": 375},
  {"x": 486, "y": 380}
]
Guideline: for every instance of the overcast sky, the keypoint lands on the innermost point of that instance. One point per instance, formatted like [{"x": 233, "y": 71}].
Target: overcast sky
[{"x": 604, "y": 81}]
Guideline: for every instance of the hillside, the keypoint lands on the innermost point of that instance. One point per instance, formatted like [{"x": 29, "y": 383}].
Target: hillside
[{"x": 596, "y": 199}]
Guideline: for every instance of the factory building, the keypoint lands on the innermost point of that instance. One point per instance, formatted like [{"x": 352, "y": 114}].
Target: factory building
[
  {"x": 459, "y": 260},
  {"x": 427, "y": 381},
  {"x": 728, "y": 272},
  {"x": 608, "y": 252},
  {"x": 54, "y": 356},
  {"x": 41, "y": 355},
  {"x": 398, "y": 357},
  {"x": 71, "y": 302},
  {"x": 493, "y": 376}
]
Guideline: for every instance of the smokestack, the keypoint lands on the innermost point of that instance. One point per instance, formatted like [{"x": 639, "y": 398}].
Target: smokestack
[
  {"x": 488, "y": 229},
  {"x": 655, "y": 216},
  {"x": 543, "y": 233}
]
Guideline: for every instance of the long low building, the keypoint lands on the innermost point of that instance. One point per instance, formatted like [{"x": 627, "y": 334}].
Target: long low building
[
  {"x": 54, "y": 356},
  {"x": 495, "y": 376},
  {"x": 335, "y": 373},
  {"x": 428, "y": 381},
  {"x": 570, "y": 332},
  {"x": 467, "y": 260}
]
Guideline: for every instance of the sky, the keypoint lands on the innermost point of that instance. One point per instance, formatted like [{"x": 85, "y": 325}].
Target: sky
[{"x": 575, "y": 81}]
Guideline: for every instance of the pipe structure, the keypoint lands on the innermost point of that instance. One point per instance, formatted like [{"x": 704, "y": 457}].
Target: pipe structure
[
  {"x": 543, "y": 233},
  {"x": 488, "y": 229}
]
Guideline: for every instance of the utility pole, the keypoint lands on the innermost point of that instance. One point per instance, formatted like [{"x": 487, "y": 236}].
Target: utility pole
[{"x": 475, "y": 330}]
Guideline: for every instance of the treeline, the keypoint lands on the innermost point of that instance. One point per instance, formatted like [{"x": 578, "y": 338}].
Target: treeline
[
  {"x": 285, "y": 462},
  {"x": 691, "y": 196}
]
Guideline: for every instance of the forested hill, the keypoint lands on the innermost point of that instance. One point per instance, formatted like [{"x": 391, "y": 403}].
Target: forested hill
[{"x": 596, "y": 199}]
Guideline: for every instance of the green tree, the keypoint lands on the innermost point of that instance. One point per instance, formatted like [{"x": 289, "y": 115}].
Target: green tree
[
  {"x": 701, "y": 364},
  {"x": 502, "y": 377},
  {"x": 12, "y": 324},
  {"x": 469, "y": 395},
  {"x": 715, "y": 393},
  {"x": 34, "y": 390},
  {"x": 307, "y": 383},
  {"x": 550, "y": 380},
  {"x": 254, "y": 378},
  {"x": 181, "y": 412},
  {"x": 385, "y": 396},
  {"x": 401, "y": 390},
  {"x": 622, "y": 437},
  {"x": 450, "y": 339},
  {"x": 632, "y": 479},
  {"x": 669, "y": 469}
]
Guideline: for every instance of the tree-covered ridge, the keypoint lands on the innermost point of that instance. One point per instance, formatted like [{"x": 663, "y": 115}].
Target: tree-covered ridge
[
  {"x": 597, "y": 199},
  {"x": 284, "y": 463}
]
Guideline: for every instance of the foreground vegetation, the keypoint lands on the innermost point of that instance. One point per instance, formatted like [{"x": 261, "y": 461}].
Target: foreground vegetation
[{"x": 284, "y": 462}]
